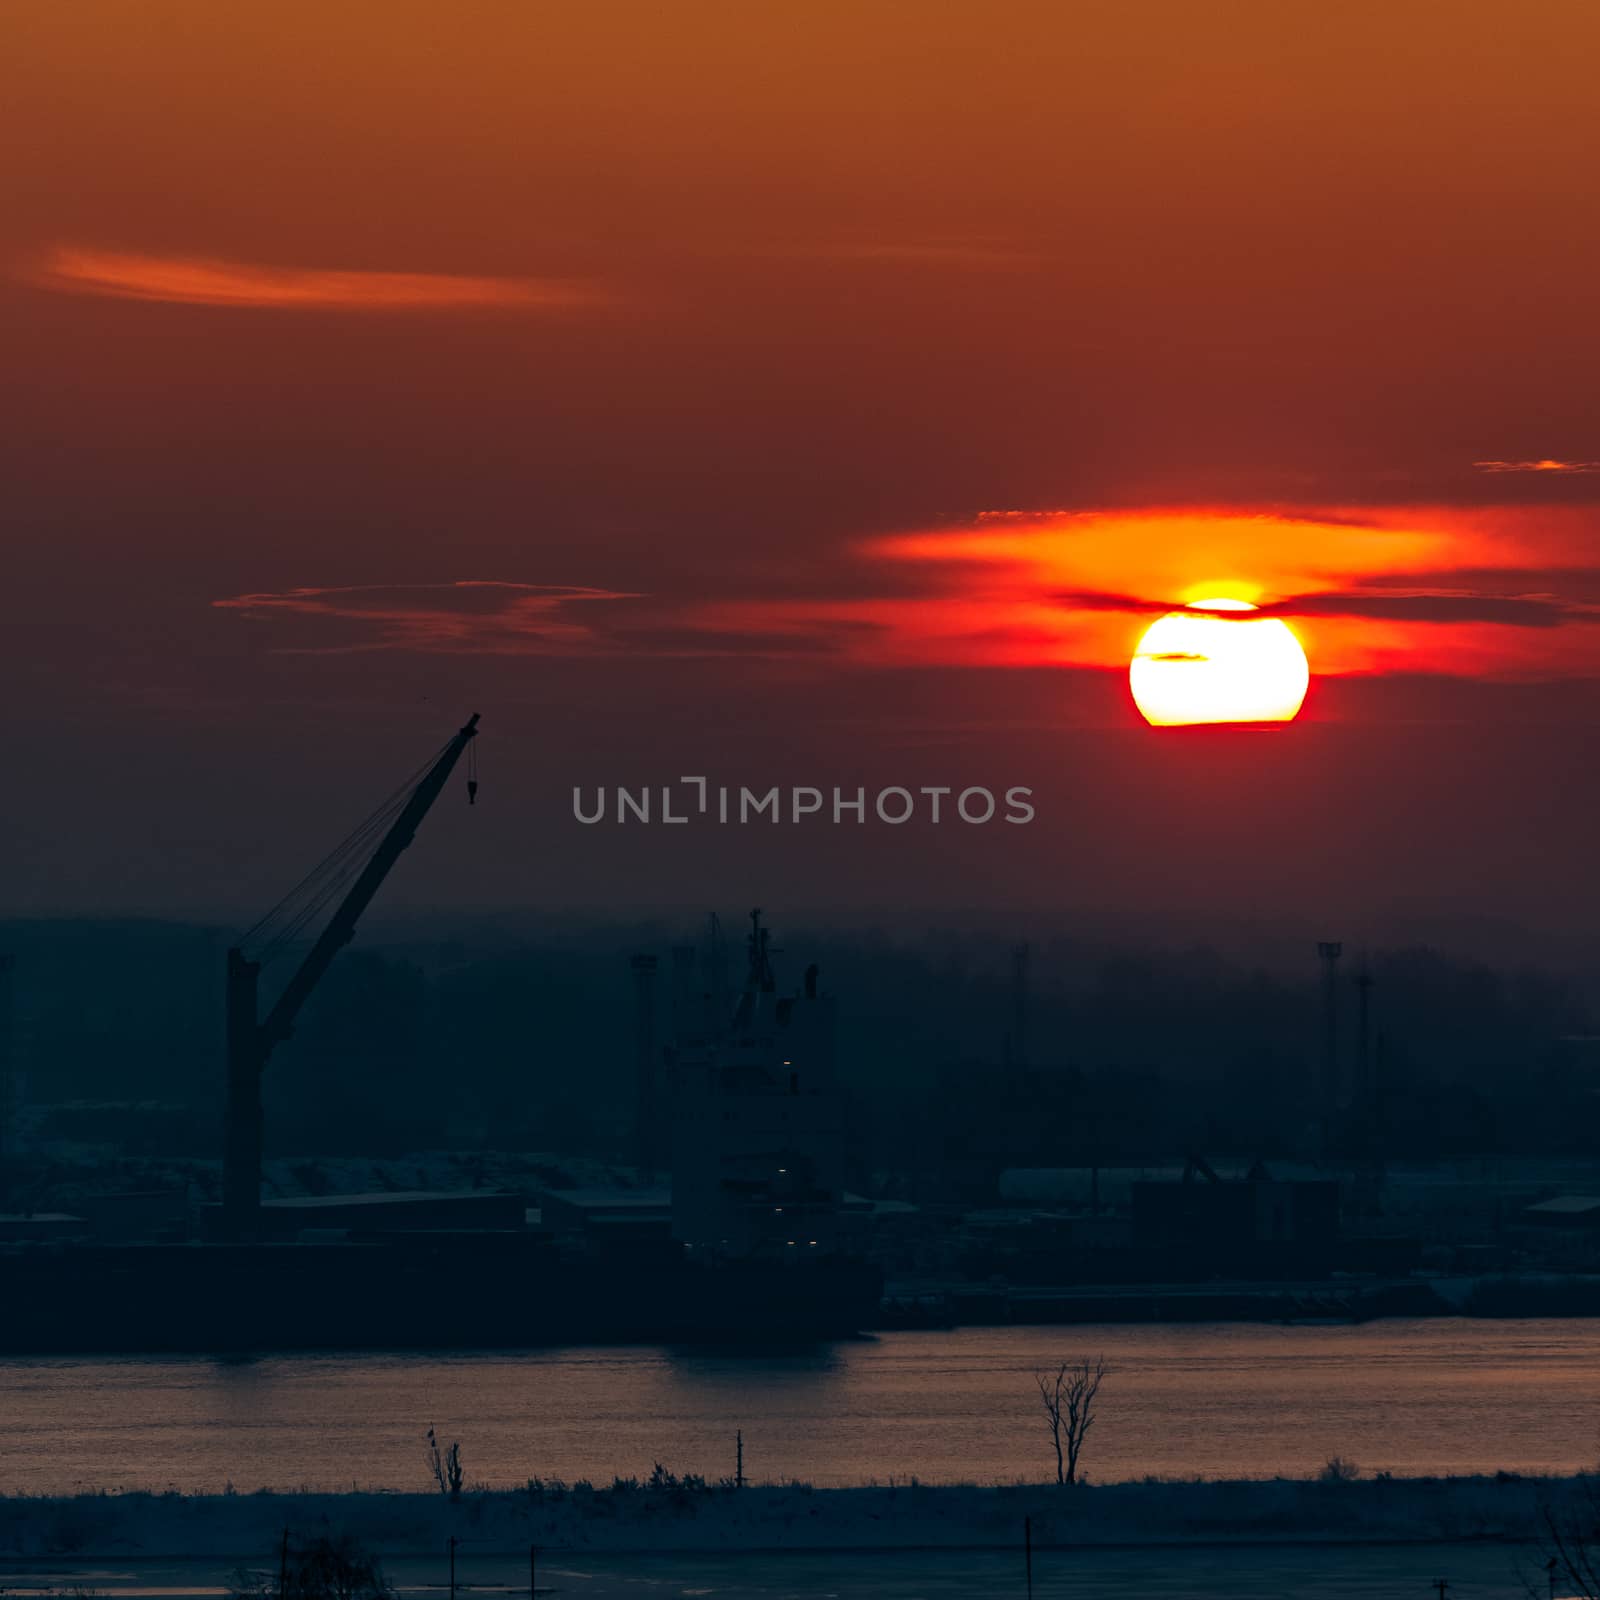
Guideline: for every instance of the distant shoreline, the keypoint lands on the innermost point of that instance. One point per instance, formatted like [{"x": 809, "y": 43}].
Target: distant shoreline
[
  {"x": 638, "y": 1518},
  {"x": 1509, "y": 1295}
]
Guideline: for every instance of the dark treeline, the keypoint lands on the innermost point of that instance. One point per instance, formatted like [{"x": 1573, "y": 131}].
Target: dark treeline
[{"x": 508, "y": 1038}]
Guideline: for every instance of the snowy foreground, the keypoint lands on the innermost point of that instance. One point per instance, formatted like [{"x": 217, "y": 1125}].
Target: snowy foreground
[{"x": 793, "y": 1517}]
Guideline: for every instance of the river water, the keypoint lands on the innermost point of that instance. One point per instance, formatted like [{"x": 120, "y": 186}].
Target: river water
[{"x": 1220, "y": 1400}]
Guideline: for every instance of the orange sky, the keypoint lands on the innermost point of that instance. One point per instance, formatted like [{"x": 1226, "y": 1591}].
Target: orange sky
[{"x": 623, "y": 366}]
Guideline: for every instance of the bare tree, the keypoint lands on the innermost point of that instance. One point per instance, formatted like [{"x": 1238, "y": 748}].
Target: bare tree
[
  {"x": 1068, "y": 1397},
  {"x": 1570, "y": 1546},
  {"x": 446, "y": 1466}
]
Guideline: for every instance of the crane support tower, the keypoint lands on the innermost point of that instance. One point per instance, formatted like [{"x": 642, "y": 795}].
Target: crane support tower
[{"x": 252, "y": 1039}]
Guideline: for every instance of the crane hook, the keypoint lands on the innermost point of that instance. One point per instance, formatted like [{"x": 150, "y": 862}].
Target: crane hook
[
  {"x": 472, "y": 774},
  {"x": 472, "y": 791}
]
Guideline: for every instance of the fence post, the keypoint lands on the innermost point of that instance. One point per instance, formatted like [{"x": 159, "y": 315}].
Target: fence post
[{"x": 1027, "y": 1551}]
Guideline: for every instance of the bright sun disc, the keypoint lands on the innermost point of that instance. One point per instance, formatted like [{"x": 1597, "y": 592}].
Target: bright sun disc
[{"x": 1212, "y": 662}]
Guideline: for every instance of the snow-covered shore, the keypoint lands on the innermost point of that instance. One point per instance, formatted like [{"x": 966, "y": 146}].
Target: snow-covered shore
[{"x": 770, "y": 1517}]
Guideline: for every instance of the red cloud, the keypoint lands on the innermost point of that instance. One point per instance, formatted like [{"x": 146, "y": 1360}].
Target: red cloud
[
  {"x": 467, "y": 616},
  {"x": 200, "y": 281}
]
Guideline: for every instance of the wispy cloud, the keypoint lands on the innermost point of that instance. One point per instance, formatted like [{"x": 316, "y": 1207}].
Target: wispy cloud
[
  {"x": 208, "y": 281},
  {"x": 1444, "y": 606},
  {"x": 492, "y": 617},
  {"x": 1387, "y": 604},
  {"x": 1546, "y": 464},
  {"x": 466, "y": 617}
]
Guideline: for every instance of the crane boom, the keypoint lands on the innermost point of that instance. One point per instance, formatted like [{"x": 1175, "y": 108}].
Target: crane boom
[{"x": 251, "y": 1042}]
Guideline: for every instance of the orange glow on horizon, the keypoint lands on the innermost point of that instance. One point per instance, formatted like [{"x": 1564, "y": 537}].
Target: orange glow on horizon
[
  {"x": 1189, "y": 552},
  {"x": 1368, "y": 591}
]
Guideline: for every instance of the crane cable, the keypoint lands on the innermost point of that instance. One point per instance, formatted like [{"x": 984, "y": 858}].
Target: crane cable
[
  {"x": 353, "y": 859},
  {"x": 337, "y": 862},
  {"x": 290, "y": 916}
]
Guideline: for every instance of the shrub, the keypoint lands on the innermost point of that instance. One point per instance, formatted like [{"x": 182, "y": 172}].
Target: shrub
[{"x": 335, "y": 1567}]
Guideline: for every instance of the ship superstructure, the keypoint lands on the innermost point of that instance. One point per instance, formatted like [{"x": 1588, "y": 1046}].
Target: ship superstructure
[{"x": 757, "y": 1124}]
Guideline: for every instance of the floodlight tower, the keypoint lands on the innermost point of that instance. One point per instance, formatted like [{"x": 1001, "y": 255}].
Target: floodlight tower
[
  {"x": 1019, "y": 1006},
  {"x": 645, "y": 1108},
  {"x": 8, "y": 1061},
  {"x": 1328, "y": 952},
  {"x": 1366, "y": 1087}
]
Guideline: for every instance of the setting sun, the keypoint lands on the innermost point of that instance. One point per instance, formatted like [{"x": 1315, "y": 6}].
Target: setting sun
[{"x": 1214, "y": 662}]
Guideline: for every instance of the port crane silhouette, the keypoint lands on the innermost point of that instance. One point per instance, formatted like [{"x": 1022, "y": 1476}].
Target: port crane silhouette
[{"x": 366, "y": 855}]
